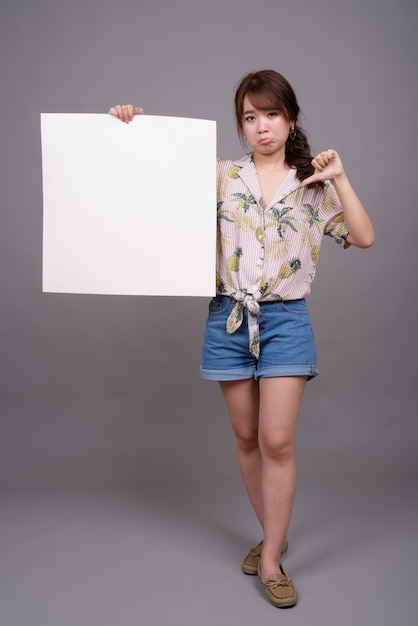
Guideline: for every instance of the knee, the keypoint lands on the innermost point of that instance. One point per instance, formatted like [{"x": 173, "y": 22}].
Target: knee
[
  {"x": 247, "y": 439},
  {"x": 277, "y": 447}
]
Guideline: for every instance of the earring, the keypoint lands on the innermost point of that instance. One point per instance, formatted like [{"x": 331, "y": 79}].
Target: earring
[{"x": 292, "y": 133}]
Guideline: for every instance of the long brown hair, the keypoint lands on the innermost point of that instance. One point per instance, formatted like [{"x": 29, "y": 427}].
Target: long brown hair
[{"x": 269, "y": 90}]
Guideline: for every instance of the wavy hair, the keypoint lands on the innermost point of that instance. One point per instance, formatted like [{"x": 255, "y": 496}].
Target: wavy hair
[{"x": 268, "y": 90}]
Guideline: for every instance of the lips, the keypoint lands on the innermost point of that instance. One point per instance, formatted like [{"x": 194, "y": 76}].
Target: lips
[{"x": 265, "y": 142}]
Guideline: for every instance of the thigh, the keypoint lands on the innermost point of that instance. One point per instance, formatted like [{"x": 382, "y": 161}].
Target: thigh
[
  {"x": 242, "y": 401},
  {"x": 280, "y": 402}
]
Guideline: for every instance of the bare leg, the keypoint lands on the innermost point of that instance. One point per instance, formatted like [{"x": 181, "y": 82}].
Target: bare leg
[
  {"x": 242, "y": 400},
  {"x": 279, "y": 406},
  {"x": 264, "y": 418}
]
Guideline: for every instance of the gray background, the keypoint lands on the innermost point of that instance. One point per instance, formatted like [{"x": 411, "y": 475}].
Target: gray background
[{"x": 121, "y": 501}]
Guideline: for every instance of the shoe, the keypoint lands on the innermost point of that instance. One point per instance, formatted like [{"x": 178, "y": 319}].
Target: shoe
[
  {"x": 279, "y": 588},
  {"x": 251, "y": 561}
]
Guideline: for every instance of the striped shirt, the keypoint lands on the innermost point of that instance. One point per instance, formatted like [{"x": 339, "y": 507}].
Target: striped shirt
[{"x": 269, "y": 253}]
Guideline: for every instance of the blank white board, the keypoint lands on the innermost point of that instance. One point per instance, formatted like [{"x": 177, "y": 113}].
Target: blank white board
[{"x": 129, "y": 208}]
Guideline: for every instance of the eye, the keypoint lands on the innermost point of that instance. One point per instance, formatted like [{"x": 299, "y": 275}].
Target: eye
[
  {"x": 249, "y": 118},
  {"x": 273, "y": 114}
]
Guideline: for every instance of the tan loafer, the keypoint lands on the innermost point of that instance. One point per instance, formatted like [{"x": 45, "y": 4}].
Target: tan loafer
[
  {"x": 279, "y": 588},
  {"x": 251, "y": 561}
]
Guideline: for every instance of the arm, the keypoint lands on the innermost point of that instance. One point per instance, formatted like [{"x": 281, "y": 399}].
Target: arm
[
  {"x": 125, "y": 112},
  {"x": 328, "y": 166}
]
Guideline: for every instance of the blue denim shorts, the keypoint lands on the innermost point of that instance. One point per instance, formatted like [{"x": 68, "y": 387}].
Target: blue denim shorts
[{"x": 287, "y": 345}]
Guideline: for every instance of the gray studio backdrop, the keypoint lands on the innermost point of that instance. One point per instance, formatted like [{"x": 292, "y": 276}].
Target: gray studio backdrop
[{"x": 104, "y": 391}]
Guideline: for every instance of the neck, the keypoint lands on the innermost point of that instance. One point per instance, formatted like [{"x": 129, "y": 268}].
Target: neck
[{"x": 270, "y": 162}]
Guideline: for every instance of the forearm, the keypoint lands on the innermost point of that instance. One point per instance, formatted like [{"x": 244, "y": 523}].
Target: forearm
[{"x": 360, "y": 228}]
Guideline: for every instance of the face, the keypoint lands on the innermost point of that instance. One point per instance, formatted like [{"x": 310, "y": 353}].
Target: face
[{"x": 265, "y": 131}]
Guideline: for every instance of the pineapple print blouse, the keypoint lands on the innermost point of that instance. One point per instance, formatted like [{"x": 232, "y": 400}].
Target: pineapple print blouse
[{"x": 269, "y": 253}]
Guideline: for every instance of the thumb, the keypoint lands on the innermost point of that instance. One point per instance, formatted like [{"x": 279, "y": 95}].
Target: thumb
[
  {"x": 311, "y": 179},
  {"x": 139, "y": 111}
]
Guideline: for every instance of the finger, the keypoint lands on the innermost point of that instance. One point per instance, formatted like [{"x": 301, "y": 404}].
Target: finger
[
  {"x": 326, "y": 157},
  {"x": 322, "y": 159},
  {"x": 139, "y": 111},
  {"x": 116, "y": 111},
  {"x": 331, "y": 154},
  {"x": 127, "y": 113},
  {"x": 318, "y": 164},
  {"x": 119, "y": 111}
]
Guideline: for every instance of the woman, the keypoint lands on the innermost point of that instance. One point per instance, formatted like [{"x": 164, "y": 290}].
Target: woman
[{"x": 274, "y": 206}]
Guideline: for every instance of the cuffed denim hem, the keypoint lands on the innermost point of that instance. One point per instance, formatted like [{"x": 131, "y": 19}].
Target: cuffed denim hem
[
  {"x": 287, "y": 370},
  {"x": 234, "y": 374},
  {"x": 265, "y": 372}
]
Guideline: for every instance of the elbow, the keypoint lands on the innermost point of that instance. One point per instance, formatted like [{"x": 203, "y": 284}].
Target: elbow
[
  {"x": 366, "y": 242},
  {"x": 370, "y": 239}
]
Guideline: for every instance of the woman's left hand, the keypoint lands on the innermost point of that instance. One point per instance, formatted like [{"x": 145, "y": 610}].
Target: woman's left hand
[{"x": 327, "y": 164}]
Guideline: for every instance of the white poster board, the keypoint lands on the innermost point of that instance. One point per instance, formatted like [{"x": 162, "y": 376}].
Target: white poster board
[{"x": 129, "y": 208}]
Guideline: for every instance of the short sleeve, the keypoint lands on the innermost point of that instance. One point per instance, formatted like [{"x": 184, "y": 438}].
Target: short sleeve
[{"x": 335, "y": 225}]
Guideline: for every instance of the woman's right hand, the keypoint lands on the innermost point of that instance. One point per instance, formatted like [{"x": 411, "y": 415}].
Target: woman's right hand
[{"x": 125, "y": 112}]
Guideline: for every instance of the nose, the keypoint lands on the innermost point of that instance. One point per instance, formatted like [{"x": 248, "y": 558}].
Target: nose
[{"x": 262, "y": 124}]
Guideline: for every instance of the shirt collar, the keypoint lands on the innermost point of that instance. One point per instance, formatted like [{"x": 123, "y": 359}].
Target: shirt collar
[
  {"x": 243, "y": 161},
  {"x": 248, "y": 171}
]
